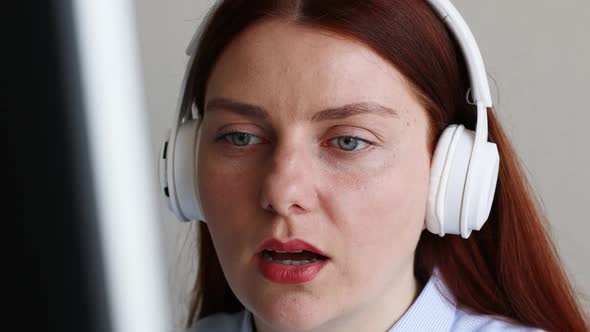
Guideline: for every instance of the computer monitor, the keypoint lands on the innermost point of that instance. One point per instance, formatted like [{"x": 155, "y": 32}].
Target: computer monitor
[{"x": 86, "y": 195}]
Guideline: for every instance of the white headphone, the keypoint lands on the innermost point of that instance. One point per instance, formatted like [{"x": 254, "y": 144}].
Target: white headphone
[{"x": 464, "y": 169}]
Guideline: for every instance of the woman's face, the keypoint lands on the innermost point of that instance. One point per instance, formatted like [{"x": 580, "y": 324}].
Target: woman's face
[{"x": 350, "y": 180}]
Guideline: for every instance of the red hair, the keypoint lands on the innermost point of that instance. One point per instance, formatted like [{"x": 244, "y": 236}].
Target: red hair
[{"x": 511, "y": 267}]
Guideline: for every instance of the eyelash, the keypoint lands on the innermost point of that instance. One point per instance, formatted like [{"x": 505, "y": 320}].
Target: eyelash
[
  {"x": 230, "y": 133},
  {"x": 223, "y": 137}
]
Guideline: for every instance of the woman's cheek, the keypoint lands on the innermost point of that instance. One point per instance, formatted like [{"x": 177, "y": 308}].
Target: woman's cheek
[
  {"x": 221, "y": 183},
  {"x": 372, "y": 211},
  {"x": 354, "y": 167}
]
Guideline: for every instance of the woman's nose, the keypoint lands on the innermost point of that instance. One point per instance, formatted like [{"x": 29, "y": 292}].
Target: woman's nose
[{"x": 289, "y": 186}]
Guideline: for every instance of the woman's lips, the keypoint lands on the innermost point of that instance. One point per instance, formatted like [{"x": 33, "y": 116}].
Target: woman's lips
[
  {"x": 281, "y": 271},
  {"x": 290, "y": 246},
  {"x": 289, "y": 274}
]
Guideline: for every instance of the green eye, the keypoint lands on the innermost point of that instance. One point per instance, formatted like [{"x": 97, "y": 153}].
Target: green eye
[
  {"x": 350, "y": 143},
  {"x": 240, "y": 138}
]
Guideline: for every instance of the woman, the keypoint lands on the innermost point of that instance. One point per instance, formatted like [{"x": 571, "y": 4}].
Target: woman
[{"x": 318, "y": 125}]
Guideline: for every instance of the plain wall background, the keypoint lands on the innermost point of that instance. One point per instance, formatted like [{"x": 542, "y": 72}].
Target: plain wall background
[{"x": 537, "y": 53}]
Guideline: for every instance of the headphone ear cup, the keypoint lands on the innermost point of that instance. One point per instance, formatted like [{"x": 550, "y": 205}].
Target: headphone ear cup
[
  {"x": 439, "y": 171},
  {"x": 448, "y": 200},
  {"x": 483, "y": 188},
  {"x": 454, "y": 194},
  {"x": 185, "y": 170}
]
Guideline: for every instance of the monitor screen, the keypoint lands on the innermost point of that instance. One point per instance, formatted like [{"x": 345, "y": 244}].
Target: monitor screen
[{"x": 90, "y": 254}]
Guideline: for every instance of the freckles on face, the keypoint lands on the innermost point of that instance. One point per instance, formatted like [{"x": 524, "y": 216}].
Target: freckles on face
[
  {"x": 379, "y": 216},
  {"x": 365, "y": 208}
]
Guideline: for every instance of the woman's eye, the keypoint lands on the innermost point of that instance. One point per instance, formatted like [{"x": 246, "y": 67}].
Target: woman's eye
[
  {"x": 350, "y": 143},
  {"x": 240, "y": 138}
]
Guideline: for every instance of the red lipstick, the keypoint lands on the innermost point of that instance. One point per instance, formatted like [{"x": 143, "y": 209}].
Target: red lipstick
[
  {"x": 292, "y": 262},
  {"x": 291, "y": 246}
]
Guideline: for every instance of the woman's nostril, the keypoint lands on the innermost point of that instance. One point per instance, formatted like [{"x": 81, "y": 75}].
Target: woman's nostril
[{"x": 271, "y": 208}]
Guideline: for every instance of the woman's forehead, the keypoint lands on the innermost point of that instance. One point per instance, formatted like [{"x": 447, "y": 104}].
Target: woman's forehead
[{"x": 277, "y": 63}]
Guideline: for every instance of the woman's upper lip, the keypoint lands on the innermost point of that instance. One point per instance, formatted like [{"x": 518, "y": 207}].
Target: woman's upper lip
[{"x": 290, "y": 246}]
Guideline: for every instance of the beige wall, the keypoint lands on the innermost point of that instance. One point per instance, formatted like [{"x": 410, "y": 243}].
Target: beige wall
[{"x": 537, "y": 52}]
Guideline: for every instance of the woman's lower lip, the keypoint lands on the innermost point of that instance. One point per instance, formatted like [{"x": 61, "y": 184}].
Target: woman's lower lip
[{"x": 289, "y": 274}]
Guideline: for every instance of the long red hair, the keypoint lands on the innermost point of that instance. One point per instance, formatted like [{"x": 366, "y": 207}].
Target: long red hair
[{"x": 511, "y": 267}]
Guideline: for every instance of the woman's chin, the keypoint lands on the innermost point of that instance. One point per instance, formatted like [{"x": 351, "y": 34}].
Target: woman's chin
[{"x": 292, "y": 317}]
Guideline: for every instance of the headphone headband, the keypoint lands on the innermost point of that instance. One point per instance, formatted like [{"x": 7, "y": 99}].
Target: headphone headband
[{"x": 477, "y": 73}]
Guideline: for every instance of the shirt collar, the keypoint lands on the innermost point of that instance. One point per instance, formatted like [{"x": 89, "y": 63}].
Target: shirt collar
[
  {"x": 247, "y": 322},
  {"x": 431, "y": 311}
]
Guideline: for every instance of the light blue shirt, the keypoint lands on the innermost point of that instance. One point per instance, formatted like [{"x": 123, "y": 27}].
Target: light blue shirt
[{"x": 430, "y": 312}]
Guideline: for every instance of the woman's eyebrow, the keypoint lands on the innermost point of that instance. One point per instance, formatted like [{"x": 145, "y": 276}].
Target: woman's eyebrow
[
  {"x": 228, "y": 104},
  {"x": 334, "y": 113},
  {"x": 345, "y": 111}
]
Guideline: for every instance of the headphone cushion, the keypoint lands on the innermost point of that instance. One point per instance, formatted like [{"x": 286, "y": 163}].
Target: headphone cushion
[
  {"x": 457, "y": 204},
  {"x": 441, "y": 160},
  {"x": 483, "y": 186},
  {"x": 185, "y": 169}
]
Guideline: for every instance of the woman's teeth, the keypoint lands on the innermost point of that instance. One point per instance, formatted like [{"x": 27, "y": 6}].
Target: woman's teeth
[{"x": 267, "y": 256}]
